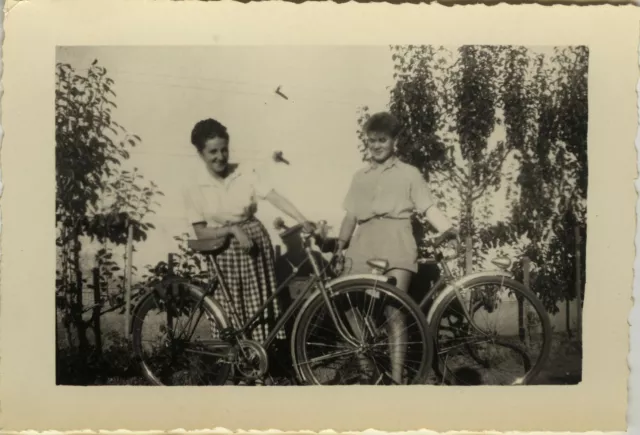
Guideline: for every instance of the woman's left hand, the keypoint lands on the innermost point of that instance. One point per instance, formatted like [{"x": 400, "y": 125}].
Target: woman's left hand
[
  {"x": 337, "y": 262},
  {"x": 449, "y": 236},
  {"x": 453, "y": 241}
]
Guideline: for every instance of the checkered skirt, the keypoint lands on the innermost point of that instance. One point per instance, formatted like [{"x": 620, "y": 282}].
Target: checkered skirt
[{"x": 251, "y": 279}]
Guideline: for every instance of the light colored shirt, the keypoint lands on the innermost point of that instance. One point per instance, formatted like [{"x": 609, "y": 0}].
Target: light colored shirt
[
  {"x": 393, "y": 189},
  {"x": 233, "y": 199}
]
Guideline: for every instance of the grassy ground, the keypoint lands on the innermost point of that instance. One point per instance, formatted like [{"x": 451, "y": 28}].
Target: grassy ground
[
  {"x": 565, "y": 362},
  {"x": 116, "y": 367}
]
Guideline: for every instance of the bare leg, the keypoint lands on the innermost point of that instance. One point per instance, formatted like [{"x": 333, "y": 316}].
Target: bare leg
[{"x": 397, "y": 328}]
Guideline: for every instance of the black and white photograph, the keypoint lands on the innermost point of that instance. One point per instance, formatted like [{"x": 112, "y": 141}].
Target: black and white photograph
[{"x": 321, "y": 215}]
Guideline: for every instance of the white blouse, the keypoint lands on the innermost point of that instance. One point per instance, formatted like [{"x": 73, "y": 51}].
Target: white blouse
[{"x": 233, "y": 199}]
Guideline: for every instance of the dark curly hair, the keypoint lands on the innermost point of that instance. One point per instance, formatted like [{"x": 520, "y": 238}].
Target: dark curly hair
[
  {"x": 205, "y": 130},
  {"x": 383, "y": 123}
]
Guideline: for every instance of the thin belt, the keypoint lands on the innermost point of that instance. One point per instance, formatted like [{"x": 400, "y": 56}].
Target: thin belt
[{"x": 383, "y": 217}]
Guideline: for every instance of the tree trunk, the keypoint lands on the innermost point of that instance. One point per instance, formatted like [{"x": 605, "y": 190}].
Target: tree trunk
[
  {"x": 77, "y": 305},
  {"x": 97, "y": 307},
  {"x": 170, "y": 264},
  {"x": 526, "y": 278},
  {"x": 468, "y": 263},
  {"x": 66, "y": 289},
  {"x": 567, "y": 310},
  {"x": 578, "y": 269},
  {"x": 128, "y": 277}
]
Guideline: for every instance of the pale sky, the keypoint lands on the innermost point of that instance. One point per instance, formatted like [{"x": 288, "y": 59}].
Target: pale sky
[{"x": 163, "y": 91}]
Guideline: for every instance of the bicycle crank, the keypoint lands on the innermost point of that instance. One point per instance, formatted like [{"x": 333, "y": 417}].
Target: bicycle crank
[{"x": 252, "y": 361}]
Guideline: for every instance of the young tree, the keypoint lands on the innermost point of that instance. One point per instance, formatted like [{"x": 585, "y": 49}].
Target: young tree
[
  {"x": 476, "y": 99},
  {"x": 186, "y": 263},
  {"x": 95, "y": 198},
  {"x": 553, "y": 172}
]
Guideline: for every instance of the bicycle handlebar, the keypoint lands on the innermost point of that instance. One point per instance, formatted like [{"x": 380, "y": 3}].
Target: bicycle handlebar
[{"x": 319, "y": 234}]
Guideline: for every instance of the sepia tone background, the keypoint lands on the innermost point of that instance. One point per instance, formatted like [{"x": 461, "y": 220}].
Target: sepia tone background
[{"x": 28, "y": 262}]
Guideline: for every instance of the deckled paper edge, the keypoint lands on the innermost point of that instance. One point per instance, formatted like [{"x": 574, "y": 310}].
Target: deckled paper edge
[{"x": 634, "y": 317}]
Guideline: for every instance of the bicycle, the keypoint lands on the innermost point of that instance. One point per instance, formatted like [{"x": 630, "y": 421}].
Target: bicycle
[
  {"x": 461, "y": 312},
  {"x": 325, "y": 347}
]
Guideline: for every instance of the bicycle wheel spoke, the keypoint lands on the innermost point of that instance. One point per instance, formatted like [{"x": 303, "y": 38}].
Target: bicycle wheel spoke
[
  {"x": 174, "y": 344},
  {"x": 490, "y": 341},
  {"x": 324, "y": 344}
]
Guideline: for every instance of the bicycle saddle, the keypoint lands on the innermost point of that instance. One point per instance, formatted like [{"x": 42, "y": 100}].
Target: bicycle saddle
[
  {"x": 378, "y": 263},
  {"x": 501, "y": 262}
]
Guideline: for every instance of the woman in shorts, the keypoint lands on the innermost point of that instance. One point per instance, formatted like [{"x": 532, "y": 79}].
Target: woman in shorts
[{"x": 379, "y": 204}]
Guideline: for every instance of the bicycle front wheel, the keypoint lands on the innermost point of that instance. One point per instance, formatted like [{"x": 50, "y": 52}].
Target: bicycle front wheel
[
  {"x": 495, "y": 333},
  {"x": 391, "y": 338},
  {"x": 176, "y": 337}
]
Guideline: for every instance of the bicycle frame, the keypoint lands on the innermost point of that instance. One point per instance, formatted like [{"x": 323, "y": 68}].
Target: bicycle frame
[
  {"x": 445, "y": 284},
  {"x": 315, "y": 280}
]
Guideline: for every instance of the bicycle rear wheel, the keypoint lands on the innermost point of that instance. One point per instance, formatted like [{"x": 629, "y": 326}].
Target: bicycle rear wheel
[
  {"x": 510, "y": 344},
  {"x": 381, "y": 318},
  {"x": 175, "y": 337}
]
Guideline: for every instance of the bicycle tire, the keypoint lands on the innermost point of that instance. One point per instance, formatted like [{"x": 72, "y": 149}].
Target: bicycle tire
[
  {"x": 211, "y": 309},
  {"x": 316, "y": 300},
  {"x": 439, "y": 310}
]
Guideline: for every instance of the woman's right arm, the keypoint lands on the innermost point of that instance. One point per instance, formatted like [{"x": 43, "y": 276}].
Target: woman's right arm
[
  {"x": 346, "y": 230},
  {"x": 350, "y": 220},
  {"x": 204, "y": 232}
]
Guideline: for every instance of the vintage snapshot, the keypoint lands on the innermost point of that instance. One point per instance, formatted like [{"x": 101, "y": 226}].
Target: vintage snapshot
[
  {"x": 329, "y": 225},
  {"x": 196, "y": 244}
]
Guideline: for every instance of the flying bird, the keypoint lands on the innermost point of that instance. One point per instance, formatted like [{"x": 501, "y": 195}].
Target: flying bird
[
  {"x": 278, "y": 157},
  {"x": 278, "y": 92}
]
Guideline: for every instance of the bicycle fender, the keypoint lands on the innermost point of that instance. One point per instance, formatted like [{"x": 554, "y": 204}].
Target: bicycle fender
[
  {"x": 342, "y": 279},
  {"x": 136, "y": 308},
  {"x": 159, "y": 288},
  {"x": 460, "y": 283}
]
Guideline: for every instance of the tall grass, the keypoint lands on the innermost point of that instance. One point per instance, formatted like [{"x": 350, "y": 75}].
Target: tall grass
[{"x": 115, "y": 365}]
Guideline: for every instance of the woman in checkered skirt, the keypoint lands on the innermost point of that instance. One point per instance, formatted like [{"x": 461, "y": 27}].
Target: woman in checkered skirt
[{"x": 222, "y": 202}]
